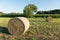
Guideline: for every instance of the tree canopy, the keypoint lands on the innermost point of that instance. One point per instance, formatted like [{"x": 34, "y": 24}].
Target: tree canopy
[{"x": 29, "y": 10}]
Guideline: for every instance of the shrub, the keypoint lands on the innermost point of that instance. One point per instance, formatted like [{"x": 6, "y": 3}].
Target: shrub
[{"x": 46, "y": 15}]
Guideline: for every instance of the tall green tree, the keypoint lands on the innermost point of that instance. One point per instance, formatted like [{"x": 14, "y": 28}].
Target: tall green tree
[{"x": 29, "y": 10}]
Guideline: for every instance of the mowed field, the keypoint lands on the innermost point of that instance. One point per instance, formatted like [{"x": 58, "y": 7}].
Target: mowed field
[{"x": 39, "y": 30}]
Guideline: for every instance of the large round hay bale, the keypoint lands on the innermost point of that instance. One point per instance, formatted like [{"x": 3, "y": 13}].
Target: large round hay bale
[
  {"x": 18, "y": 26},
  {"x": 49, "y": 19}
]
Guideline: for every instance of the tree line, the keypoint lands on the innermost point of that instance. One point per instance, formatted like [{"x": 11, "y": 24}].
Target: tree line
[
  {"x": 29, "y": 11},
  {"x": 56, "y": 11}
]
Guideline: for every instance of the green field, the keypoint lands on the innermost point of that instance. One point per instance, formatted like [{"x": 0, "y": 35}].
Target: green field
[{"x": 39, "y": 30}]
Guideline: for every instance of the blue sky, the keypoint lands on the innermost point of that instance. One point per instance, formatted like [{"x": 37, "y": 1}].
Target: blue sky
[{"x": 18, "y": 5}]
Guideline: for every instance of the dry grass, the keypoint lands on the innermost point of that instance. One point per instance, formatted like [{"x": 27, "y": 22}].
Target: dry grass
[{"x": 39, "y": 30}]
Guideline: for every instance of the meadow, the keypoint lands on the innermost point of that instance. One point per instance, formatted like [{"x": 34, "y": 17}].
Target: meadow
[{"x": 39, "y": 30}]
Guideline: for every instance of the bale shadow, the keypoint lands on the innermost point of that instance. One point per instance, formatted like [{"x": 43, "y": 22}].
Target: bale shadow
[{"x": 4, "y": 30}]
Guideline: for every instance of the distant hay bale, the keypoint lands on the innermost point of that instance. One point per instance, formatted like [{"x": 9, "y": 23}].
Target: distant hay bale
[
  {"x": 18, "y": 26},
  {"x": 49, "y": 19}
]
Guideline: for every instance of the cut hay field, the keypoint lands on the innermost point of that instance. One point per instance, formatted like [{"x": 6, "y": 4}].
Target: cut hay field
[{"x": 39, "y": 30}]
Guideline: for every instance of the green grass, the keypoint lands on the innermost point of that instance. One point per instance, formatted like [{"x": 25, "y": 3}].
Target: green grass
[
  {"x": 4, "y": 21},
  {"x": 39, "y": 30}
]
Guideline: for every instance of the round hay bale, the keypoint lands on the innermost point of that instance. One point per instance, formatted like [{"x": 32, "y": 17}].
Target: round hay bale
[
  {"x": 49, "y": 19},
  {"x": 18, "y": 26}
]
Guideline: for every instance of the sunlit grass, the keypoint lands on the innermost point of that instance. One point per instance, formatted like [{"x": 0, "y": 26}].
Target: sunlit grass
[
  {"x": 56, "y": 20},
  {"x": 4, "y": 21},
  {"x": 39, "y": 29}
]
